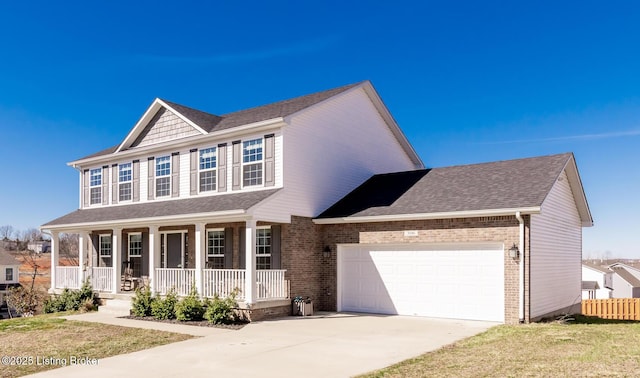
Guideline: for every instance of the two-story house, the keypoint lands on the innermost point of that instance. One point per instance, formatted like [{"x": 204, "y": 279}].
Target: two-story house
[{"x": 323, "y": 196}]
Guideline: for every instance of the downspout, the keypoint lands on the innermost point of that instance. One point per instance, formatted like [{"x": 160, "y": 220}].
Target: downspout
[{"x": 521, "y": 268}]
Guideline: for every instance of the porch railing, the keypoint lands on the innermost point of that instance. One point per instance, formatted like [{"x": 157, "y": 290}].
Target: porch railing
[
  {"x": 102, "y": 278},
  {"x": 180, "y": 279},
  {"x": 67, "y": 277},
  {"x": 271, "y": 284},
  {"x": 223, "y": 282}
]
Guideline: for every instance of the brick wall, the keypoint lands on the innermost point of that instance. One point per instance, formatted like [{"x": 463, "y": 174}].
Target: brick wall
[{"x": 483, "y": 229}]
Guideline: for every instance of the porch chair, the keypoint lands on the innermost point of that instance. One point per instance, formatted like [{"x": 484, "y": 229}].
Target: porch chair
[{"x": 127, "y": 278}]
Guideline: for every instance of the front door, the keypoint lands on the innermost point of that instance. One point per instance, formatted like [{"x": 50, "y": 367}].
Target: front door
[{"x": 175, "y": 250}]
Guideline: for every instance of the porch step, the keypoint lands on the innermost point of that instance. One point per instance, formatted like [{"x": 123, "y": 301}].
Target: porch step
[{"x": 118, "y": 307}]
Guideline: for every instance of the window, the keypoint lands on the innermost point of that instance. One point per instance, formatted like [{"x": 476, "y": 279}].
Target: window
[
  {"x": 163, "y": 176},
  {"x": 95, "y": 183},
  {"x": 252, "y": 162},
  {"x": 135, "y": 245},
  {"x": 208, "y": 169},
  {"x": 9, "y": 274},
  {"x": 215, "y": 249},
  {"x": 263, "y": 248},
  {"x": 124, "y": 182},
  {"x": 105, "y": 245}
]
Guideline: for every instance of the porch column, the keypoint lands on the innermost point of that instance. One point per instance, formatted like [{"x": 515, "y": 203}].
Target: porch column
[
  {"x": 81, "y": 261},
  {"x": 201, "y": 235},
  {"x": 115, "y": 258},
  {"x": 154, "y": 243},
  {"x": 250, "y": 262},
  {"x": 55, "y": 254}
]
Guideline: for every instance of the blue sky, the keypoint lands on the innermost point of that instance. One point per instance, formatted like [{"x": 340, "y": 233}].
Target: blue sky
[{"x": 468, "y": 82}]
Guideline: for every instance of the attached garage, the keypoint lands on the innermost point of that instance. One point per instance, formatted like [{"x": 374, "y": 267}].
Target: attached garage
[{"x": 461, "y": 281}]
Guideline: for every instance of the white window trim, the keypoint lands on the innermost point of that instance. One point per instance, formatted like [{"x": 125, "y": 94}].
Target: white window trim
[
  {"x": 207, "y": 233},
  {"x": 270, "y": 244},
  {"x": 100, "y": 246},
  {"x": 129, "y": 244},
  {"x": 95, "y": 186},
  {"x": 13, "y": 274},
  {"x": 243, "y": 164},
  {"x": 125, "y": 182},
  {"x": 208, "y": 169},
  {"x": 168, "y": 175}
]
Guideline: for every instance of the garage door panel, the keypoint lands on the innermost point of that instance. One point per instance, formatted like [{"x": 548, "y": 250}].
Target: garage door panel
[{"x": 407, "y": 280}]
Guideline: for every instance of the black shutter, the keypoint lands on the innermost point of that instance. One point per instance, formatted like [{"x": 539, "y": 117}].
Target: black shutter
[
  {"x": 243, "y": 252},
  {"x": 276, "y": 232},
  {"x": 228, "y": 248}
]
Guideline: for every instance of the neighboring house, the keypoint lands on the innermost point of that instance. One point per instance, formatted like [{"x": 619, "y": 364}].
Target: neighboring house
[
  {"x": 39, "y": 246},
  {"x": 9, "y": 274},
  {"x": 626, "y": 281},
  {"x": 597, "y": 282},
  {"x": 322, "y": 196}
]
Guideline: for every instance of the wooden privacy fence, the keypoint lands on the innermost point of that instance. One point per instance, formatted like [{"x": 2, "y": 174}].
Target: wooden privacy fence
[{"x": 614, "y": 308}]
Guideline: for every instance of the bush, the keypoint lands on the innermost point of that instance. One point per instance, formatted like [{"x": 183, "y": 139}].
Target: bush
[
  {"x": 190, "y": 307},
  {"x": 164, "y": 308},
  {"x": 220, "y": 311},
  {"x": 25, "y": 300},
  {"x": 142, "y": 303},
  {"x": 71, "y": 300}
]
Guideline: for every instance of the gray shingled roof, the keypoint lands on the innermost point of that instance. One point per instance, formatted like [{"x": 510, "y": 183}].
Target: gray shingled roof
[
  {"x": 7, "y": 259},
  {"x": 626, "y": 275},
  {"x": 597, "y": 267},
  {"x": 590, "y": 285},
  {"x": 211, "y": 123},
  {"x": 507, "y": 184},
  {"x": 200, "y": 205}
]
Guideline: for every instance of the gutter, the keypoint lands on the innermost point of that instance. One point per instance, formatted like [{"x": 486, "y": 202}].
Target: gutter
[{"x": 521, "y": 268}]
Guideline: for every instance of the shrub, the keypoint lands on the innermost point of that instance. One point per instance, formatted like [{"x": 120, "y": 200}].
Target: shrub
[
  {"x": 25, "y": 300},
  {"x": 71, "y": 300},
  {"x": 164, "y": 308},
  {"x": 220, "y": 311},
  {"x": 142, "y": 303},
  {"x": 190, "y": 307}
]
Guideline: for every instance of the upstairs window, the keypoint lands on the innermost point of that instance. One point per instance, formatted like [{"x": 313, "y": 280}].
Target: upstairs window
[
  {"x": 252, "y": 162},
  {"x": 95, "y": 183},
  {"x": 163, "y": 176},
  {"x": 9, "y": 274},
  {"x": 208, "y": 164},
  {"x": 124, "y": 182},
  {"x": 215, "y": 249},
  {"x": 263, "y": 248}
]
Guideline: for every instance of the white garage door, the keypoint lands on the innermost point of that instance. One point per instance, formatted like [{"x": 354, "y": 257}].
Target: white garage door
[{"x": 445, "y": 281}]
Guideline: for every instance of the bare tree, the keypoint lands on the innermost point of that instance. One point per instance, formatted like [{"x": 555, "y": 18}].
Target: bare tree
[
  {"x": 69, "y": 248},
  {"x": 32, "y": 234},
  {"x": 6, "y": 232}
]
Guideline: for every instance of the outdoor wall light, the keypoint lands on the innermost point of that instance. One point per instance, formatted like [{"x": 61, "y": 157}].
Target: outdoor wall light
[
  {"x": 514, "y": 252},
  {"x": 326, "y": 252}
]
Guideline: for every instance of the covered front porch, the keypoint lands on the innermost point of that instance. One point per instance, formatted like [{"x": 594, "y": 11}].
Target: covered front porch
[{"x": 217, "y": 259}]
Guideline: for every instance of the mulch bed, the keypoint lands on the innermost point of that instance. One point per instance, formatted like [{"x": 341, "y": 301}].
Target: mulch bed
[{"x": 201, "y": 323}]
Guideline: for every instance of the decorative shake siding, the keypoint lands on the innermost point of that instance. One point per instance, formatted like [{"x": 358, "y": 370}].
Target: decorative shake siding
[
  {"x": 165, "y": 126},
  {"x": 556, "y": 245}
]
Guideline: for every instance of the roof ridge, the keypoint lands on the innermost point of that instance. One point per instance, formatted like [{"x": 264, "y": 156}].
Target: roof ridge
[{"x": 506, "y": 160}]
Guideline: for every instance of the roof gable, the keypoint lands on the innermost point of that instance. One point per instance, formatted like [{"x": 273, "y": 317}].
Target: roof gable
[
  {"x": 626, "y": 275},
  {"x": 7, "y": 259}
]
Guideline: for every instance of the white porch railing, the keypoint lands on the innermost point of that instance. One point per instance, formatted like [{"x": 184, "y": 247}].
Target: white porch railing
[
  {"x": 271, "y": 284},
  {"x": 67, "y": 277},
  {"x": 102, "y": 278},
  {"x": 223, "y": 282},
  {"x": 180, "y": 279}
]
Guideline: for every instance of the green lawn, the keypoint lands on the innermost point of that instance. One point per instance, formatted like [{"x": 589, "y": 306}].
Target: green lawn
[
  {"x": 47, "y": 336},
  {"x": 588, "y": 347}
]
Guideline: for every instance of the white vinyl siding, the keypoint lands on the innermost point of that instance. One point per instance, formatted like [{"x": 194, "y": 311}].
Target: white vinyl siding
[
  {"x": 329, "y": 150},
  {"x": 556, "y": 252}
]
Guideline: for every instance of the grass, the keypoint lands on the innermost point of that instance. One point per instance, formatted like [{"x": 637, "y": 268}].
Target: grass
[
  {"x": 587, "y": 347},
  {"x": 47, "y": 336}
]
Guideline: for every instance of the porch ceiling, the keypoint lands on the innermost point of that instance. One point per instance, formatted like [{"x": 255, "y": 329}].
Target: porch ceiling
[{"x": 218, "y": 205}]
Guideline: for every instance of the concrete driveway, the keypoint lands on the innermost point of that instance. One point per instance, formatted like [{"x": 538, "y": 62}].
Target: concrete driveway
[{"x": 327, "y": 345}]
